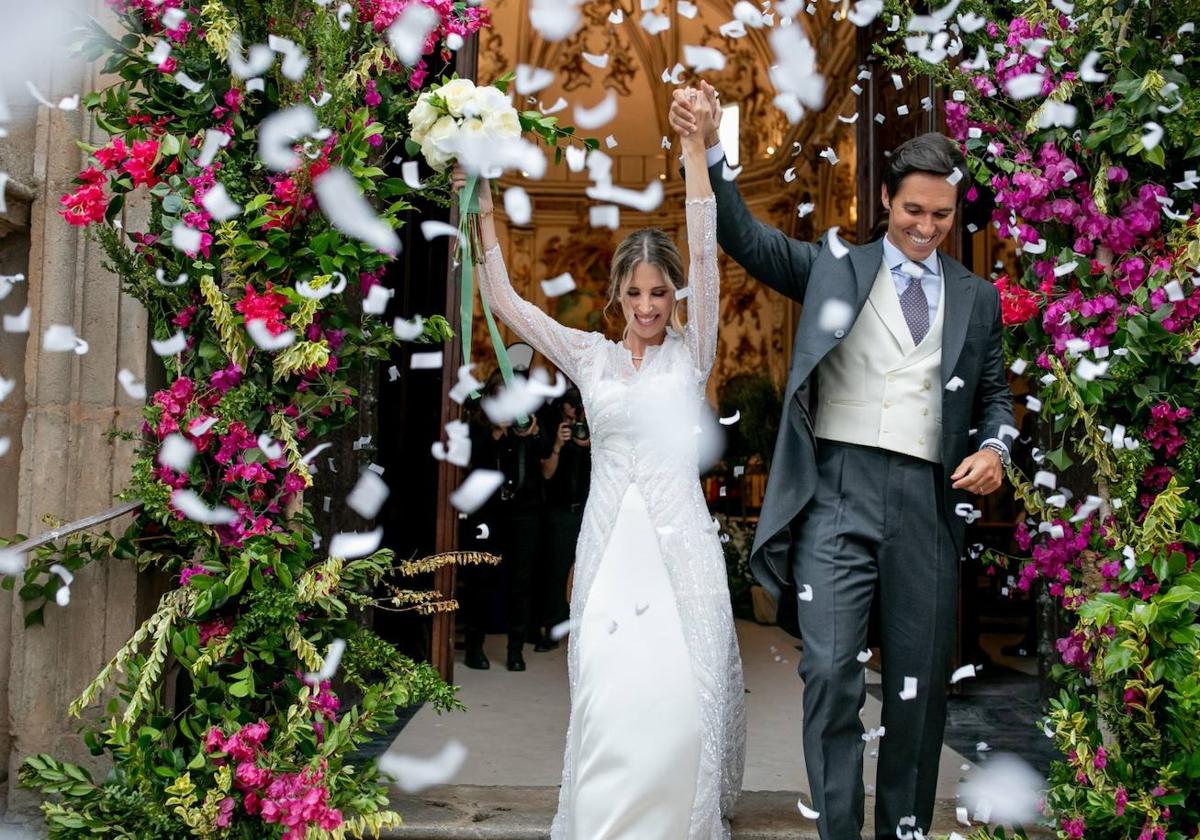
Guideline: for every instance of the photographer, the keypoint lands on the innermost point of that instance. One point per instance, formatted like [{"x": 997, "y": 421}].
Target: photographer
[
  {"x": 566, "y": 468},
  {"x": 514, "y": 518}
]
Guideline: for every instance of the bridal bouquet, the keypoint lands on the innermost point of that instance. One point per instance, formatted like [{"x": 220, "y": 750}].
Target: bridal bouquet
[
  {"x": 458, "y": 115},
  {"x": 478, "y": 127}
]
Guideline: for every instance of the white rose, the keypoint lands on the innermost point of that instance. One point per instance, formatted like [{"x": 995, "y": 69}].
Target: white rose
[
  {"x": 456, "y": 93},
  {"x": 486, "y": 100},
  {"x": 503, "y": 123},
  {"x": 438, "y": 143},
  {"x": 422, "y": 117}
]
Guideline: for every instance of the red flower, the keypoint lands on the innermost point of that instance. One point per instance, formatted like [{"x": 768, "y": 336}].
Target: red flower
[
  {"x": 112, "y": 155},
  {"x": 1017, "y": 304},
  {"x": 84, "y": 206},
  {"x": 140, "y": 165},
  {"x": 265, "y": 307}
]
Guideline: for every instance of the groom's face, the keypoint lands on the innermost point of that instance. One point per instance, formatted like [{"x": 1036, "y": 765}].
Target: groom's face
[{"x": 921, "y": 213}]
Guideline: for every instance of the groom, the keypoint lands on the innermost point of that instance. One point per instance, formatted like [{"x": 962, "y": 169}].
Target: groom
[{"x": 894, "y": 413}]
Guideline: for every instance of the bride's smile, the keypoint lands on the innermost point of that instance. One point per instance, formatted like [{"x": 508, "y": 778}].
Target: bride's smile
[{"x": 648, "y": 301}]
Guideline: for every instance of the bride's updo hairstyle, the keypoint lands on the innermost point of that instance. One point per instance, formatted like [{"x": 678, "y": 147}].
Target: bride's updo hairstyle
[{"x": 652, "y": 246}]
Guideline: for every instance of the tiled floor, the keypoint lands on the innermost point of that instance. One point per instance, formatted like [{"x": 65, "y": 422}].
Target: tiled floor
[{"x": 516, "y": 722}]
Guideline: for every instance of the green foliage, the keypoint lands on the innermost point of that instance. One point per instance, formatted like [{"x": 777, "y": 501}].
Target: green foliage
[{"x": 1112, "y": 348}]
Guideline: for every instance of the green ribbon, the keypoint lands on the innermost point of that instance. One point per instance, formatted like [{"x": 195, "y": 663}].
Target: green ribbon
[{"x": 468, "y": 206}]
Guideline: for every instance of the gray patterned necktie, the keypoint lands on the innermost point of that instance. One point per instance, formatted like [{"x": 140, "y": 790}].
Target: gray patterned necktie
[{"x": 915, "y": 307}]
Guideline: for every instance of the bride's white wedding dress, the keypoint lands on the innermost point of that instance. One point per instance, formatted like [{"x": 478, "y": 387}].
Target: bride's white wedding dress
[{"x": 656, "y": 740}]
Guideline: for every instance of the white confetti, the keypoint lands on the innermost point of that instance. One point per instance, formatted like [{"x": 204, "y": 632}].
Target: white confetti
[
  {"x": 805, "y": 593},
  {"x": 590, "y": 119},
  {"x": 1087, "y": 69},
  {"x": 408, "y": 330},
  {"x": 329, "y": 665},
  {"x": 130, "y": 384},
  {"x": 805, "y": 209},
  {"x": 1152, "y": 137},
  {"x": 530, "y": 79},
  {"x": 257, "y": 63},
  {"x": 962, "y": 673},
  {"x": 186, "y": 239},
  {"x": 560, "y": 285},
  {"x": 407, "y": 36},
  {"x": 219, "y": 205},
  {"x": 170, "y": 346},
  {"x": 954, "y": 383},
  {"x": 1024, "y": 86},
  {"x": 910, "y": 688},
  {"x": 1004, "y": 790},
  {"x": 518, "y": 206},
  {"x": 193, "y": 507},
  {"x": 280, "y": 131},
  {"x": 188, "y": 82},
  {"x": 835, "y": 314},
  {"x": 654, "y": 24},
  {"x": 214, "y": 141},
  {"x": 729, "y": 421},
  {"x": 555, "y": 20},
  {"x": 347, "y": 210},
  {"x": 176, "y": 452},
  {"x": 62, "y": 596},
  {"x": 604, "y": 215},
  {"x": 263, "y": 338},
  {"x": 306, "y": 289},
  {"x": 702, "y": 59},
  {"x": 426, "y": 361},
  {"x": 18, "y": 323},
  {"x": 414, "y": 775},
  {"x": 864, "y": 656},
  {"x": 476, "y": 489},
  {"x": 349, "y": 545},
  {"x": 646, "y": 201},
  {"x": 836, "y": 246},
  {"x": 806, "y": 812},
  {"x": 368, "y": 495}
]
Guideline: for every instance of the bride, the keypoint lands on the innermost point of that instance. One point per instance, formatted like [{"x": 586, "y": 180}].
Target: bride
[{"x": 656, "y": 739}]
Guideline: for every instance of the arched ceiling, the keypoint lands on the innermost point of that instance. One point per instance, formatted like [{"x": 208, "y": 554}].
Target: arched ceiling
[{"x": 636, "y": 61}]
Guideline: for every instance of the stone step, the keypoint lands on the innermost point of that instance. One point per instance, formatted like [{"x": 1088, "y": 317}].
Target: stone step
[{"x": 466, "y": 812}]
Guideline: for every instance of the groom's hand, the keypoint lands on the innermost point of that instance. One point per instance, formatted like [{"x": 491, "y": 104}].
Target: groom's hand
[
  {"x": 981, "y": 473},
  {"x": 681, "y": 117}
]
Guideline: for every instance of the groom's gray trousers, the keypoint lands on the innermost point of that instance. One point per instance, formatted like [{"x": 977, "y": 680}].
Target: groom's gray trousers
[{"x": 875, "y": 521}]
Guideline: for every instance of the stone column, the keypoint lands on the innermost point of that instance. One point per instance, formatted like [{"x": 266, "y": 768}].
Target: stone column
[{"x": 68, "y": 467}]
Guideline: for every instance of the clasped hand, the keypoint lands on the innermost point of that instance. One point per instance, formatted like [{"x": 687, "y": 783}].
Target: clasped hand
[{"x": 696, "y": 114}]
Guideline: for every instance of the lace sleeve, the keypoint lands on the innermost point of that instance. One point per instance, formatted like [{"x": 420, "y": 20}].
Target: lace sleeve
[
  {"x": 564, "y": 346},
  {"x": 704, "y": 284}
]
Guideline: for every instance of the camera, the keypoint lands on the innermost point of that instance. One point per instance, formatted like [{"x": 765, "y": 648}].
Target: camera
[
  {"x": 579, "y": 430},
  {"x": 523, "y": 423}
]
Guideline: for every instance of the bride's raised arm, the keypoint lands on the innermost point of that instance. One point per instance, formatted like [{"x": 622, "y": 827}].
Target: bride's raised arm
[
  {"x": 704, "y": 284},
  {"x": 567, "y": 348}
]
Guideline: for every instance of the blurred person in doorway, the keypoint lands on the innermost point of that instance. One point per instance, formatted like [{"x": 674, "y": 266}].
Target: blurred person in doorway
[{"x": 566, "y": 468}]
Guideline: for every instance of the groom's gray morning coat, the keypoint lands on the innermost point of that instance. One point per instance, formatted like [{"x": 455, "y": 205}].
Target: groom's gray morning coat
[{"x": 809, "y": 273}]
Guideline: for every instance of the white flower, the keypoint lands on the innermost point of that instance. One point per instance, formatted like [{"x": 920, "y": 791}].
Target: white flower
[
  {"x": 456, "y": 93},
  {"x": 422, "y": 117},
  {"x": 437, "y": 147},
  {"x": 486, "y": 100},
  {"x": 503, "y": 123}
]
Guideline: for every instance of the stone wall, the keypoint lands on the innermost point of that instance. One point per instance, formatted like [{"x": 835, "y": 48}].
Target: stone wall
[{"x": 60, "y": 462}]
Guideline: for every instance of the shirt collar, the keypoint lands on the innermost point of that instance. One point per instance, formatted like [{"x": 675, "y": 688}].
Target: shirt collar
[{"x": 894, "y": 258}]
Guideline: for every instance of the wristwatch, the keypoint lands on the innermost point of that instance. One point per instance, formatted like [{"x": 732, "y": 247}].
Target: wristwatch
[{"x": 999, "y": 449}]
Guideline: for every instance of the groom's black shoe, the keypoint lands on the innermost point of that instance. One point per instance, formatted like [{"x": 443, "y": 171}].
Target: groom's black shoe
[
  {"x": 475, "y": 658},
  {"x": 516, "y": 662}
]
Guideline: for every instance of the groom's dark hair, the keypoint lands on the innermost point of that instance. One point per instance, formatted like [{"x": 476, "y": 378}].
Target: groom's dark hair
[{"x": 933, "y": 153}]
